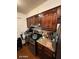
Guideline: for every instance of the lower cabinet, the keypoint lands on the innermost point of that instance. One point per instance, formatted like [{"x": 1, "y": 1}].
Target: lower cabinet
[
  {"x": 32, "y": 48},
  {"x": 43, "y": 52}
]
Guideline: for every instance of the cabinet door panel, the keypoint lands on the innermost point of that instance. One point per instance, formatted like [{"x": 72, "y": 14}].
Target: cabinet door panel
[
  {"x": 54, "y": 22},
  {"x": 49, "y": 21},
  {"x": 28, "y": 22},
  {"x": 34, "y": 20}
]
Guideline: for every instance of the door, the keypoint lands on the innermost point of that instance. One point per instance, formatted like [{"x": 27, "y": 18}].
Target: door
[
  {"x": 34, "y": 20},
  {"x": 49, "y": 21}
]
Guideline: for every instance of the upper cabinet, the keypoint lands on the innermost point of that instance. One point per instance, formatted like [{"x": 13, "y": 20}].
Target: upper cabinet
[
  {"x": 34, "y": 20},
  {"x": 58, "y": 12},
  {"x": 47, "y": 20},
  {"x": 59, "y": 15}
]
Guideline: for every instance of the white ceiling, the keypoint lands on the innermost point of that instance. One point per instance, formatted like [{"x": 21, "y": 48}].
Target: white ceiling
[{"x": 24, "y": 6}]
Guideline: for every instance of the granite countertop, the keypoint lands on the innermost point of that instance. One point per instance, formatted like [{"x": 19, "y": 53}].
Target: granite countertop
[{"x": 47, "y": 43}]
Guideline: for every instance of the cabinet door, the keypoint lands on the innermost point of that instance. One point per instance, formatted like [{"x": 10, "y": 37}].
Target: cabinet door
[
  {"x": 49, "y": 21},
  {"x": 54, "y": 21},
  {"x": 32, "y": 48},
  {"x": 44, "y": 21},
  {"x": 34, "y": 20},
  {"x": 28, "y": 22},
  {"x": 43, "y": 52}
]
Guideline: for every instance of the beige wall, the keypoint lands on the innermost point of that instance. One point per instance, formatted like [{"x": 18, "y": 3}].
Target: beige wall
[
  {"x": 21, "y": 23},
  {"x": 44, "y": 6}
]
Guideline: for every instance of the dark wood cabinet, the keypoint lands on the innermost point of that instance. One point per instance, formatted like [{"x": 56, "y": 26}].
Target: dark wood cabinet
[
  {"x": 43, "y": 52},
  {"x": 28, "y": 22},
  {"x": 32, "y": 48},
  {"x": 48, "y": 20},
  {"x": 58, "y": 12},
  {"x": 34, "y": 20}
]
